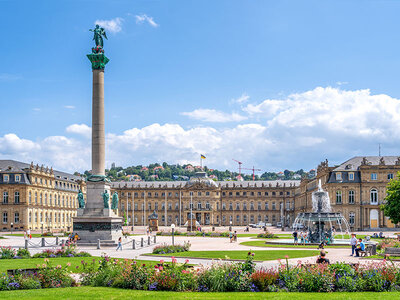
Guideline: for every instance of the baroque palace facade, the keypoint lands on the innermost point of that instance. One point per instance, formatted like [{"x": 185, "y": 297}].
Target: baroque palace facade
[
  {"x": 356, "y": 188},
  {"x": 37, "y": 197},
  {"x": 40, "y": 198}
]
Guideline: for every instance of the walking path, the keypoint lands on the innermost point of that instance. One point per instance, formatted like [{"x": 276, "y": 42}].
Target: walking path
[{"x": 197, "y": 244}]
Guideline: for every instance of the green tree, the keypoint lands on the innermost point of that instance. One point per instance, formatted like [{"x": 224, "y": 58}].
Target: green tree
[{"x": 391, "y": 208}]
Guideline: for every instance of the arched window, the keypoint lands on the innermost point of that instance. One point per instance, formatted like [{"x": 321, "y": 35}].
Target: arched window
[
  {"x": 244, "y": 218},
  {"x": 338, "y": 197},
  {"x": 252, "y": 219},
  {"x": 351, "y": 197},
  {"x": 374, "y": 196},
  {"x": 259, "y": 218},
  {"x": 251, "y": 205},
  {"x": 41, "y": 199},
  {"x": 237, "y": 219},
  {"x": 36, "y": 198},
  {"x": 30, "y": 197}
]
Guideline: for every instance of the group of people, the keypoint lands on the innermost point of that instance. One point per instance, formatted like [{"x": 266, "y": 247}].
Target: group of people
[
  {"x": 357, "y": 245},
  {"x": 73, "y": 238},
  {"x": 27, "y": 234},
  {"x": 233, "y": 236}
]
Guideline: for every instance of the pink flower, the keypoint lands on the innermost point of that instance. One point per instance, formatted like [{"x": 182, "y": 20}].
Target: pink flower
[
  {"x": 186, "y": 261},
  {"x": 161, "y": 261},
  {"x": 286, "y": 256},
  {"x": 68, "y": 264},
  {"x": 58, "y": 266},
  {"x": 160, "y": 268},
  {"x": 46, "y": 260}
]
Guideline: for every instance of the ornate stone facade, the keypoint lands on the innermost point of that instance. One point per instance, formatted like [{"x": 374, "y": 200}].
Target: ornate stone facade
[{"x": 37, "y": 197}]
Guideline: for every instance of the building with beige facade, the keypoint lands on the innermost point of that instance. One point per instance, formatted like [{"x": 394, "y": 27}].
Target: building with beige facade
[
  {"x": 37, "y": 197},
  {"x": 356, "y": 188}
]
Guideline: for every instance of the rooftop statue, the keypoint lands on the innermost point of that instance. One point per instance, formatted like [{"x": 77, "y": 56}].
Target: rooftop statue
[{"x": 99, "y": 32}]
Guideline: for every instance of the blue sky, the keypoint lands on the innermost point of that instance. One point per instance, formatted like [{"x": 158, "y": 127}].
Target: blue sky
[{"x": 275, "y": 84}]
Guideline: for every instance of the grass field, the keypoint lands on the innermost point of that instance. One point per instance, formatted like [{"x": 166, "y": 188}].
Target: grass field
[
  {"x": 263, "y": 244},
  {"x": 113, "y": 293},
  {"x": 34, "y": 235},
  {"x": 8, "y": 264},
  {"x": 260, "y": 255}
]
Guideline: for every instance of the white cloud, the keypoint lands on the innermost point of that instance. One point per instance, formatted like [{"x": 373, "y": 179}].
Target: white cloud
[
  {"x": 81, "y": 129},
  {"x": 36, "y": 109},
  {"x": 69, "y": 106},
  {"x": 143, "y": 18},
  {"x": 113, "y": 25},
  {"x": 212, "y": 115},
  {"x": 297, "y": 131},
  {"x": 242, "y": 99}
]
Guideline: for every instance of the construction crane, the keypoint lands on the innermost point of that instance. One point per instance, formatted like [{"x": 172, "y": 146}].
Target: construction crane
[
  {"x": 253, "y": 169},
  {"x": 240, "y": 166}
]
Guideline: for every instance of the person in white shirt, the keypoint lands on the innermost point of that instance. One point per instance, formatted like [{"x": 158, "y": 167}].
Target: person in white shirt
[{"x": 353, "y": 243}]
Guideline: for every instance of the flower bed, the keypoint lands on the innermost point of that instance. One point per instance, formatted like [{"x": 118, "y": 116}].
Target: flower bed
[
  {"x": 68, "y": 251},
  {"x": 197, "y": 233},
  {"x": 267, "y": 235},
  {"x": 164, "y": 248},
  {"x": 219, "y": 277}
]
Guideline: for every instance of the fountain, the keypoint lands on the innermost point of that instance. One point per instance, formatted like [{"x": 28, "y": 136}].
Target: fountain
[{"x": 321, "y": 222}]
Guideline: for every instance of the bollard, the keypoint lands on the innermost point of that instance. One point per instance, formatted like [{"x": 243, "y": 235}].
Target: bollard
[
  {"x": 154, "y": 239},
  {"x": 133, "y": 244},
  {"x": 98, "y": 244},
  {"x": 148, "y": 240},
  {"x": 26, "y": 244},
  {"x": 141, "y": 242},
  {"x": 43, "y": 242},
  {"x": 57, "y": 240}
]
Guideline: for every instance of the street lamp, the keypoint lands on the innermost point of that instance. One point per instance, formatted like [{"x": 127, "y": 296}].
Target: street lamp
[
  {"x": 12, "y": 225},
  {"x": 172, "y": 227},
  {"x": 230, "y": 227},
  {"x": 42, "y": 227}
]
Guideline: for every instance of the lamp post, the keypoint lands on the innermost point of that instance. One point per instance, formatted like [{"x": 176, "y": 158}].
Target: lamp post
[
  {"x": 12, "y": 225},
  {"x": 230, "y": 225},
  {"x": 42, "y": 227},
  {"x": 172, "y": 228}
]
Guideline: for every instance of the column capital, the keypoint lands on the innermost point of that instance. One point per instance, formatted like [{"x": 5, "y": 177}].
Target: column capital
[{"x": 98, "y": 60}]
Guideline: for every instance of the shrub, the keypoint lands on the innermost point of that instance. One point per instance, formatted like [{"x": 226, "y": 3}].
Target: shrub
[
  {"x": 53, "y": 277},
  {"x": 164, "y": 248},
  {"x": 265, "y": 279},
  {"x": 23, "y": 253},
  {"x": 28, "y": 282},
  {"x": 267, "y": 235},
  {"x": 133, "y": 276}
]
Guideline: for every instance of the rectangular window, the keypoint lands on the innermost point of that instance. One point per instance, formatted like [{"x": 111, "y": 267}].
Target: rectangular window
[
  {"x": 259, "y": 193},
  {"x": 351, "y": 197},
  {"x": 351, "y": 218},
  {"x": 351, "y": 176},
  {"x": 16, "y": 217},
  {"x": 16, "y": 197},
  {"x": 5, "y": 197},
  {"x": 5, "y": 217},
  {"x": 338, "y": 197},
  {"x": 198, "y": 193},
  {"x": 273, "y": 206},
  {"x": 244, "y": 193},
  {"x": 339, "y": 176},
  {"x": 17, "y": 178},
  {"x": 259, "y": 206},
  {"x": 390, "y": 176},
  {"x": 244, "y": 206},
  {"x": 266, "y": 206},
  {"x": 374, "y": 176}
]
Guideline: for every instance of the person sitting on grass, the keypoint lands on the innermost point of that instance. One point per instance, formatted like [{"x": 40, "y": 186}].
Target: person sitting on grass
[
  {"x": 322, "y": 259},
  {"x": 360, "y": 247}
]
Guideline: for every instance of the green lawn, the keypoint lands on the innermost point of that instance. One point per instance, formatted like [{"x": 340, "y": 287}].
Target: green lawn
[
  {"x": 260, "y": 255},
  {"x": 34, "y": 235},
  {"x": 263, "y": 244},
  {"x": 8, "y": 264},
  {"x": 113, "y": 293}
]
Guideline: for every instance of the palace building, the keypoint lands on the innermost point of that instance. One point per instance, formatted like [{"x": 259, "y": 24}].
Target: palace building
[
  {"x": 37, "y": 197},
  {"x": 356, "y": 188}
]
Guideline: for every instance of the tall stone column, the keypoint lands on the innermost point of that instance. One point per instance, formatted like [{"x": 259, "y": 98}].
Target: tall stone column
[
  {"x": 98, "y": 135},
  {"x": 99, "y": 217}
]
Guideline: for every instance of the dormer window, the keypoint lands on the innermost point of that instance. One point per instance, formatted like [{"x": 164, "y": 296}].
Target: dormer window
[
  {"x": 374, "y": 176},
  {"x": 338, "y": 176},
  {"x": 351, "y": 176},
  {"x": 6, "y": 178}
]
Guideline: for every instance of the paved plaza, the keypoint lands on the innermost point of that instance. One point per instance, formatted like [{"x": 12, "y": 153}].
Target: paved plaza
[{"x": 197, "y": 244}]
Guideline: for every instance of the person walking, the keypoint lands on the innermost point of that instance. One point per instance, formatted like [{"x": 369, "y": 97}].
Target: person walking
[
  {"x": 119, "y": 244},
  {"x": 353, "y": 243},
  {"x": 230, "y": 236}
]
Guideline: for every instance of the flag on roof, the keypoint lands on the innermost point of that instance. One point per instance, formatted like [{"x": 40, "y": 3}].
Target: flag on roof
[{"x": 202, "y": 156}]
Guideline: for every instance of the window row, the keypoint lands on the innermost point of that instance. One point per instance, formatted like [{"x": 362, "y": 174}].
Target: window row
[
  {"x": 60, "y": 200},
  {"x": 50, "y": 217},
  {"x": 6, "y": 198},
  {"x": 5, "y": 218},
  {"x": 230, "y": 194},
  {"x": 373, "y": 197}
]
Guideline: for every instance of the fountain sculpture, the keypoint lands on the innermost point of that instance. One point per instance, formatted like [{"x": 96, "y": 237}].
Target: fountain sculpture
[{"x": 322, "y": 223}]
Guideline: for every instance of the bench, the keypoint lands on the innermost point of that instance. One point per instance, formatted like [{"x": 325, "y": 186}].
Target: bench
[{"x": 366, "y": 252}]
